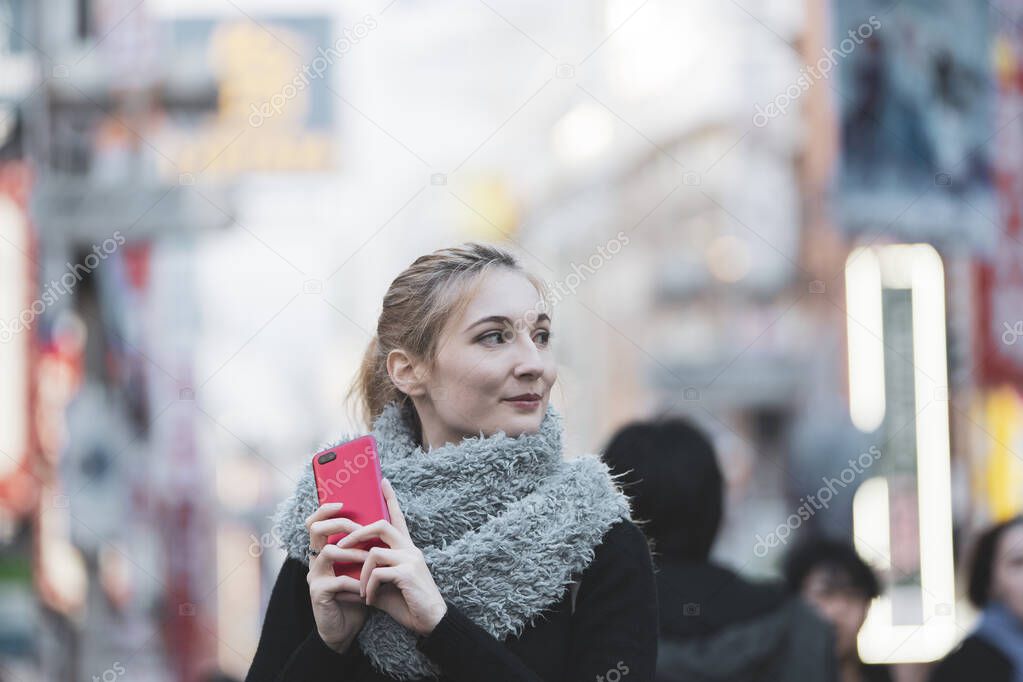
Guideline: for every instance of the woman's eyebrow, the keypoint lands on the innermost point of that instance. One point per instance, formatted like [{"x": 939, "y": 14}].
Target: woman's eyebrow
[{"x": 542, "y": 317}]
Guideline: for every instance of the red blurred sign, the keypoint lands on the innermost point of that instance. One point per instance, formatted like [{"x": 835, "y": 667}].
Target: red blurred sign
[
  {"x": 137, "y": 261},
  {"x": 18, "y": 487},
  {"x": 1000, "y": 278}
]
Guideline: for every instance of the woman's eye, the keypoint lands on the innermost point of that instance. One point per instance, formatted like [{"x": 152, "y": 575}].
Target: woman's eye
[
  {"x": 496, "y": 336},
  {"x": 542, "y": 337}
]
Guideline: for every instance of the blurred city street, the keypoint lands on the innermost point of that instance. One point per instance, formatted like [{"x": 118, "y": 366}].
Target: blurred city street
[{"x": 798, "y": 224}]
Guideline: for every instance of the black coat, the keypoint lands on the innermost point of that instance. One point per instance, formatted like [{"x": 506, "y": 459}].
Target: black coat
[
  {"x": 973, "y": 660},
  {"x": 717, "y": 626},
  {"x": 613, "y": 628}
]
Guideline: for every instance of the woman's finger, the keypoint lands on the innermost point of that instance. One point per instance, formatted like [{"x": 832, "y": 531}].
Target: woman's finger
[
  {"x": 349, "y": 597},
  {"x": 379, "y": 556},
  {"x": 323, "y": 563},
  {"x": 379, "y": 577},
  {"x": 324, "y": 511},
  {"x": 393, "y": 508},
  {"x": 319, "y": 531},
  {"x": 342, "y": 587},
  {"x": 378, "y": 529}
]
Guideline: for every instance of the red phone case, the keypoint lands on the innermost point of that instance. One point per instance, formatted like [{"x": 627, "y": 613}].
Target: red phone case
[{"x": 350, "y": 473}]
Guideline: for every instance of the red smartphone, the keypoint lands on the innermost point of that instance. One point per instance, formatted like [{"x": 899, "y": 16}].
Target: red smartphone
[{"x": 350, "y": 473}]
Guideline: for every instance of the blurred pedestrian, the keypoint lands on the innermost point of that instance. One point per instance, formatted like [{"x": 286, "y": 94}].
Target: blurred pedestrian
[
  {"x": 505, "y": 559},
  {"x": 994, "y": 650},
  {"x": 714, "y": 624},
  {"x": 831, "y": 576}
]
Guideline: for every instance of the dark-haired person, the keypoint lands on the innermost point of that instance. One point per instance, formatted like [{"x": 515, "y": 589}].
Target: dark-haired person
[
  {"x": 832, "y": 577},
  {"x": 714, "y": 625},
  {"x": 995, "y": 648}
]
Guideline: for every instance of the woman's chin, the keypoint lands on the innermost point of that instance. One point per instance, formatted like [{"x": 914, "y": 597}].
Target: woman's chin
[{"x": 520, "y": 423}]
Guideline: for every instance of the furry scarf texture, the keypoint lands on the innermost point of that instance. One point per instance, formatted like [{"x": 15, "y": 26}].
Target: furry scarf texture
[{"x": 505, "y": 524}]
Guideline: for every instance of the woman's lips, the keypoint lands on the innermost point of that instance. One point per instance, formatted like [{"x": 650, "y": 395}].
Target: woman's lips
[{"x": 525, "y": 404}]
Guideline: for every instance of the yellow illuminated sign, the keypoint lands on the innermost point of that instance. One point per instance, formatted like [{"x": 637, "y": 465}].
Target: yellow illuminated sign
[{"x": 262, "y": 107}]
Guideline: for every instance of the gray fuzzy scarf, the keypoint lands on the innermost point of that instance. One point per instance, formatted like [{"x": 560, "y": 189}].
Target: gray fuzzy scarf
[{"x": 505, "y": 524}]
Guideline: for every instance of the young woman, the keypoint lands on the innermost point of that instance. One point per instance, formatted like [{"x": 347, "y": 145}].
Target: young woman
[
  {"x": 993, "y": 652},
  {"x": 504, "y": 560}
]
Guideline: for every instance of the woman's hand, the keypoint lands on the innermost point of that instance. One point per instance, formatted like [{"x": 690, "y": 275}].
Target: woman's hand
[
  {"x": 338, "y": 609},
  {"x": 396, "y": 579}
]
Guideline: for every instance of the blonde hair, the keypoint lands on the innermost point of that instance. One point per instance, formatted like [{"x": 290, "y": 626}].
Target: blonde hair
[{"x": 416, "y": 309}]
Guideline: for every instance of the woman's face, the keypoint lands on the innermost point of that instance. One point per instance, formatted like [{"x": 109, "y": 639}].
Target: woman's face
[
  {"x": 497, "y": 349},
  {"x": 1007, "y": 573}
]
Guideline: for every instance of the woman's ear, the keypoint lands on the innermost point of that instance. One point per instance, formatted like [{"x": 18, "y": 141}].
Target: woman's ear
[{"x": 405, "y": 373}]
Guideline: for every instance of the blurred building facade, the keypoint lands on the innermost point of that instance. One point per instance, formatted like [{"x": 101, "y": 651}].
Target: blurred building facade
[{"x": 795, "y": 223}]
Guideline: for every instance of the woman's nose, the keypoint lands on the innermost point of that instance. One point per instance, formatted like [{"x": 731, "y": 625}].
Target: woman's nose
[{"x": 529, "y": 360}]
